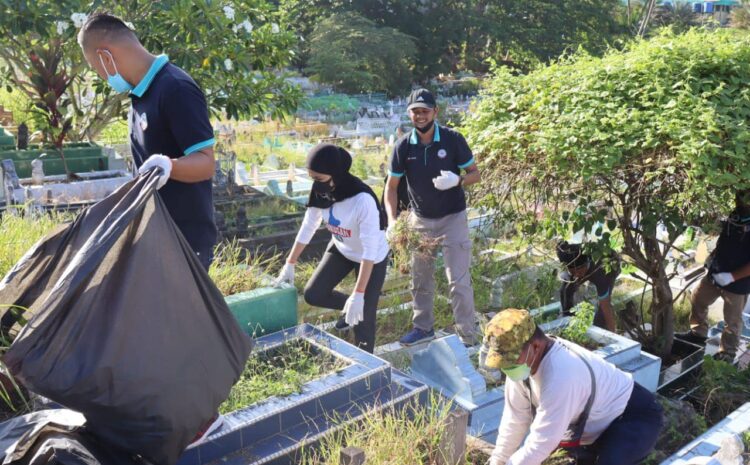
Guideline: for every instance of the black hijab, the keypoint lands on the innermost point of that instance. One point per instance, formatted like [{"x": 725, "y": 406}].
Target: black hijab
[{"x": 335, "y": 161}]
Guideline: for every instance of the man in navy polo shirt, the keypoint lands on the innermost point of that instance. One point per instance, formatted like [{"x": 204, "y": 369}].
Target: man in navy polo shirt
[
  {"x": 430, "y": 159},
  {"x": 728, "y": 277},
  {"x": 169, "y": 126}
]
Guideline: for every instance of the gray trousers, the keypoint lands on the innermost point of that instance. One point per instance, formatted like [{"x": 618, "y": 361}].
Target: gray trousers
[{"x": 454, "y": 229}]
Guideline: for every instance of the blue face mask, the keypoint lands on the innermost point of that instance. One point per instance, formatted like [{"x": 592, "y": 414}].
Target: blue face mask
[{"x": 116, "y": 81}]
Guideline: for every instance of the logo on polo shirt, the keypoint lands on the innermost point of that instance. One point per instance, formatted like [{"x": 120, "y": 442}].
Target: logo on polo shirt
[
  {"x": 442, "y": 153},
  {"x": 143, "y": 121}
]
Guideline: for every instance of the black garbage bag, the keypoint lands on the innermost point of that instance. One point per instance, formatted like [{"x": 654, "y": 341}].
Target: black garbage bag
[
  {"x": 56, "y": 437},
  {"x": 125, "y": 325}
]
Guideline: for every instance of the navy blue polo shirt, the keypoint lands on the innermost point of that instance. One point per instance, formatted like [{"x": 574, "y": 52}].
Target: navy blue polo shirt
[
  {"x": 422, "y": 163},
  {"x": 733, "y": 251},
  {"x": 169, "y": 116}
]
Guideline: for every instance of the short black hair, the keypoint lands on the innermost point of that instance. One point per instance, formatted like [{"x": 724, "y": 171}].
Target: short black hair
[
  {"x": 104, "y": 25},
  {"x": 536, "y": 336},
  {"x": 571, "y": 255}
]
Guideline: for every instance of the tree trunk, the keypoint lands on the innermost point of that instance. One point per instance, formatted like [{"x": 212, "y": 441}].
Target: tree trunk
[
  {"x": 646, "y": 254},
  {"x": 662, "y": 318}
]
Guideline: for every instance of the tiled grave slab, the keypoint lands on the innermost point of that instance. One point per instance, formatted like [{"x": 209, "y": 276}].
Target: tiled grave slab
[
  {"x": 271, "y": 432},
  {"x": 709, "y": 442}
]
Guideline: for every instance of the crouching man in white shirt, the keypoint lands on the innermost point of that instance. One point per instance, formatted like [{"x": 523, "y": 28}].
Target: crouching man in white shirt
[{"x": 564, "y": 396}]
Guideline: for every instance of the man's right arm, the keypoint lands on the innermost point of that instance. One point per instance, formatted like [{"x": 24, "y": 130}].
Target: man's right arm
[
  {"x": 391, "y": 198},
  {"x": 567, "y": 290},
  {"x": 397, "y": 171},
  {"x": 515, "y": 423}
]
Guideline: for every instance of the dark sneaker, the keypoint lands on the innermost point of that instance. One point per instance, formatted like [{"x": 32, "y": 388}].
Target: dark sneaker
[
  {"x": 416, "y": 335},
  {"x": 692, "y": 336},
  {"x": 209, "y": 427},
  {"x": 724, "y": 357},
  {"x": 341, "y": 325}
]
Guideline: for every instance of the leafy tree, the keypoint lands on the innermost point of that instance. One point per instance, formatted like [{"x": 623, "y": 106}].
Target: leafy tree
[
  {"x": 679, "y": 16},
  {"x": 652, "y": 135},
  {"x": 453, "y": 35},
  {"x": 548, "y": 28},
  {"x": 355, "y": 55},
  {"x": 233, "y": 49}
]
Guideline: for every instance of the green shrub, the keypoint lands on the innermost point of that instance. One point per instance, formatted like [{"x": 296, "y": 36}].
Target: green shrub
[{"x": 657, "y": 131}]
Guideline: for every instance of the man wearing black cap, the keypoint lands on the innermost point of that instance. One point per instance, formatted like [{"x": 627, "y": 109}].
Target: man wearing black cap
[
  {"x": 580, "y": 268},
  {"x": 430, "y": 158}
]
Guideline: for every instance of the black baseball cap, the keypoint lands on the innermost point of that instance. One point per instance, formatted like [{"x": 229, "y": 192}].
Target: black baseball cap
[
  {"x": 571, "y": 255},
  {"x": 421, "y": 98}
]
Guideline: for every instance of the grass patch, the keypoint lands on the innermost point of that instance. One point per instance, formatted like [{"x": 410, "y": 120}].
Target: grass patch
[
  {"x": 19, "y": 232},
  {"x": 14, "y": 399},
  {"x": 280, "y": 372},
  {"x": 234, "y": 270},
  {"x": 723, "y": 389},
  {"x": 532, "y": 290},
  {"x": 391, "y": 327},
  {"x": 258, "y": 211},
  {"x": 408, "y": 436},
  {"x": 682, "y": 424}
]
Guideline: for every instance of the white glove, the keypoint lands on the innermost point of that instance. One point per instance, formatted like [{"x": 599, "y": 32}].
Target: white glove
[
  {"x": 158, "y": 161},
  {"x": 723, "y": 279},
  {"x": 354, "y": 308},
  {"x": 446, "y": 180},
  {"x": 286, "y": 275},
  {"x": 496, "y": 461}
]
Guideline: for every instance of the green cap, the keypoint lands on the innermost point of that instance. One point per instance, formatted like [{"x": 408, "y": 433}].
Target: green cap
[{"x": 505, "y": 336}]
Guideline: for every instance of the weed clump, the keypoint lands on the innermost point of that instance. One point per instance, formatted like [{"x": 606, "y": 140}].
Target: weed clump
[
  {"x": 406, "y": 241},
  {"x": 576, "y": 330},
  {"x": 281, "y": 371},
  {"x": 236, "y": 270}
]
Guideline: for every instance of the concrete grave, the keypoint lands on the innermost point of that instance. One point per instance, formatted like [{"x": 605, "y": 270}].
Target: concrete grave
[{"x": 275, "y": 430}]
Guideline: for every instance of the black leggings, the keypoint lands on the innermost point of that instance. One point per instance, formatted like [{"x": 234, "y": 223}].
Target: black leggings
[{"x": 320, "y": 292}]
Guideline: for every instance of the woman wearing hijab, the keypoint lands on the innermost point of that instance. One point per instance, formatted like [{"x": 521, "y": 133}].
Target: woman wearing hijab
[{"x": 357, "y": 221}]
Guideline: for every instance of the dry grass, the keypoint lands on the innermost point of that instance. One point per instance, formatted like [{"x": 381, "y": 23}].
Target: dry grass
[
  {"x": 235, "y": 270},
  {"x": 407, "y": 241}
]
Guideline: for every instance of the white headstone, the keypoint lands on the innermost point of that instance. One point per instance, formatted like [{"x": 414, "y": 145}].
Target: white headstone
[
  {"x": 37, "y": 172},
  {"x": 272, "y": 161},
  {"x": 255, "y": 173}
]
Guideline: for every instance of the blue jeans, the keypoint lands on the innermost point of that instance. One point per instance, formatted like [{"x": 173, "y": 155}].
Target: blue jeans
[{"x": 632, "y": 436}]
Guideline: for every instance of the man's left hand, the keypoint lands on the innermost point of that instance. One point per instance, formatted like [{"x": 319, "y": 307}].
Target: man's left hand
[
  {"x": 723, "y": 279},
  {"x": 446, "y": 180}
]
